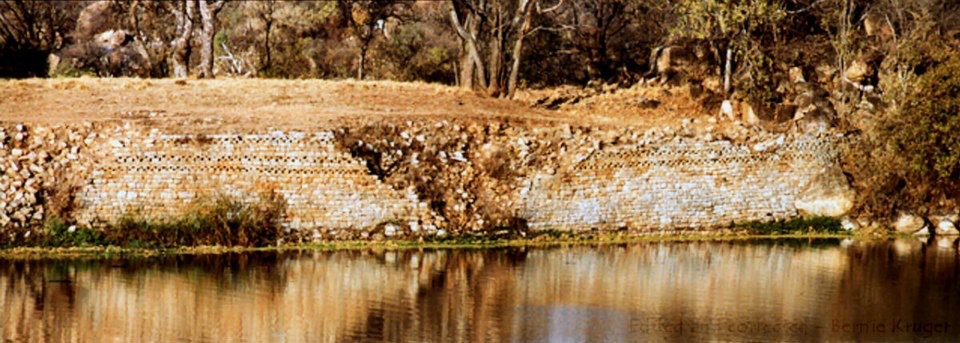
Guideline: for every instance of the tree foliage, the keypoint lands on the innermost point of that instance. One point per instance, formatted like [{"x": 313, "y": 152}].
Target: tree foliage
[{"x": 739, "y": 32}]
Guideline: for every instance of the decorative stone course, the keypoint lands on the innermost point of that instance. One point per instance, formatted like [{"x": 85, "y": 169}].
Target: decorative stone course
[
  {"x": 678, "y": 185},
  {"x": 323, "y": 187}
]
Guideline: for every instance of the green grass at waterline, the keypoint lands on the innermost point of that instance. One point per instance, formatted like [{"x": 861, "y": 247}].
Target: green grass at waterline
[
  {"x": 57, "y": 239},
  {"x": 793, "y": 226},
  {"x": 562, "y": 240}
]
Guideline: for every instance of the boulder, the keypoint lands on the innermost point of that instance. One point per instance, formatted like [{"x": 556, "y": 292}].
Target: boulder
[
  {"x": 668, "y": 61},
  {"x": 113, "y": 39},
  {"x": 796, "y": 75},
  {"x": 726, "y": 110},
  {"x": 946, "y": 227},
  {"x": 849, "y": 224},
  {"x": 857, "y": 71},
  {"x": 828, "y": 194},
  {"x": 909, "y": 223},
  {"x": 815, "y": 113}
]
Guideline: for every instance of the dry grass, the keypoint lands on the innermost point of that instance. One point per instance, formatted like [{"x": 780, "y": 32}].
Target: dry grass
[{"x": 242, "y": 105}]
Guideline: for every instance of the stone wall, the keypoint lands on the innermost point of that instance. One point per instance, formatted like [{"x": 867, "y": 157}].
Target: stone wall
[
  {"x": 668, "y": 183},
  {"x": 678, "y": 185},
  {"x": 162, "y": 176}
]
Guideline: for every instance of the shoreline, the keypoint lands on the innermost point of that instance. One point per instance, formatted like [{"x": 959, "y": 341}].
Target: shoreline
[{"x": 453, "y": 243}]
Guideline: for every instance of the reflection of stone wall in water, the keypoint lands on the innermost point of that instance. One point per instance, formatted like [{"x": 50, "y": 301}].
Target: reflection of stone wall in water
[
  {"x": 566, "y": 181},
  {"x": 508, "y": 295}
]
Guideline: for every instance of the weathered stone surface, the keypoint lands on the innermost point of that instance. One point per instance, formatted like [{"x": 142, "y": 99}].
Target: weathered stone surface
[
  {"x": 946, "y": 227},
  {"x": 828, "y": 194},
  {"x": 568, "y": 178},
  {"x": 815, "y": 113},
  {"x": 849, "y": 224},
  {"x": 908, "y": 223},
  {"x": 857, "y": 71}
]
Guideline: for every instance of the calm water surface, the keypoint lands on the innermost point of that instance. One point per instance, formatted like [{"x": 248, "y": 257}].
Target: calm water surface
[{"x": 785, "y": 290}]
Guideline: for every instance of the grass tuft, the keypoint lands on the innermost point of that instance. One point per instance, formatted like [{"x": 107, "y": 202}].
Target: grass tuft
[{"x": 797, "y": 225}]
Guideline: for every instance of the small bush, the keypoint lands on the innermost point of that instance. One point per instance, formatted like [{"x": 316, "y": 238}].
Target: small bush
[
  {"x": 796, "y": 225},
  {"x": 58, "y": 233},
  {"x": 224, "y": 222}
]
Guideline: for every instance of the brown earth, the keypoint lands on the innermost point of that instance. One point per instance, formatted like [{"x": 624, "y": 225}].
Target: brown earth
[{"x": 243, "y": 105}]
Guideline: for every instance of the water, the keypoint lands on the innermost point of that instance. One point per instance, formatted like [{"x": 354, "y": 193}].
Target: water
[{"x": 785, "y": 290}]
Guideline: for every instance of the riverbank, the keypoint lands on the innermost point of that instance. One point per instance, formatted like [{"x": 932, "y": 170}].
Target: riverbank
[
  {"x": 147, "y": 177},
  {"x": 543, "y": 240}
]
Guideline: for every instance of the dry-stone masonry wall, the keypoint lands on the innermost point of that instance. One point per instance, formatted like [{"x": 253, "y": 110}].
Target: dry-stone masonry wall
[
  {"x": 671, "y": 183},
  {"x": 162, "y": 176},
  {"x": 683, "y": 184}
]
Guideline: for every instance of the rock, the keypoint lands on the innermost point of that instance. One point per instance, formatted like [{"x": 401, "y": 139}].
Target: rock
[
  {"x": 848, "y": 224},
  {"x": 796, "y": 75},
  {"x": 726, "y": 110},
  {"x": 390, "y": 230},
  {"x": 826, "y": 72},
  {"x": 749, "y": 115},
  {"x": 668, "y": 61},
  {"x": 923, "y": 232},
  {"x": 908, "y": 223},
  {"x": 946, "y": 228},
  {"x": 857, "y": 71},
  {"x": 815, "y": 113},
  {"x": 828, "y": 194}
]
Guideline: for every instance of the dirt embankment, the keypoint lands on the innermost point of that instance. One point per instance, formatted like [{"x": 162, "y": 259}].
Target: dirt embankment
[{"x": 248, "y": 105}]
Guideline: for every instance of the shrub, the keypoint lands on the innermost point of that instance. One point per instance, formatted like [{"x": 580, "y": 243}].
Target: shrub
[
  {"x": 224, "y": 221},
  {"x": 908, "y": 156},
  {"x": 797, "y": 225},
  {"x": 58, "y": 233}
]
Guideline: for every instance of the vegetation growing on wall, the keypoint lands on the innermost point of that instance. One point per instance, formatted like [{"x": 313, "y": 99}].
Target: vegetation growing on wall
[{"x": 220, "y": 221}]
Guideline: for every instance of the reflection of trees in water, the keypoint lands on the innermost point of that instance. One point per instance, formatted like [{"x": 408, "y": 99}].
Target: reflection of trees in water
[
  {"x": 912, "y": 279},
  {"x": 582, "y": 293},
  {"x": 42, "y": 283},
  {"x": 460, "y": 296}
]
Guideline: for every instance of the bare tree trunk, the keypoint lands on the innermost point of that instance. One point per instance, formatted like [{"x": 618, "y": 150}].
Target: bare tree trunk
[
  {"x": 465, "y": 74},
  {"x": 496, "y": 55},
  {"x": 181, "y": 45},
  {"x": 266, "y": 45},
  {"x": 518, "y": 49},
  {"x": 363, "y": 61},
  {"x": 267, "y": 16},
  {"x": 726, "y": 72},
  {"x": 472, "y": 68},
  {"x": 208, "y": 17}
]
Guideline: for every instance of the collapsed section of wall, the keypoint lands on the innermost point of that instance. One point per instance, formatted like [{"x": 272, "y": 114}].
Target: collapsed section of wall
[
  {"x": 159, "y": 177},
  {"x": 684, "y": 184}
]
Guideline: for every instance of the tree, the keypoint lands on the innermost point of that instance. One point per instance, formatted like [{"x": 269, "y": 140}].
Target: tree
[
  {"x": 208, "y": 18},
  {"x": 491, "y": 27},
  {"x": 365, "y": 18},
  {"x": 605, "y": 37},
  {"x": 736, "y": 30},
  {"x": 149, "y": 20},
  {"x": 29, "y": 30},
  {"x": 184, "y": 13}
]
